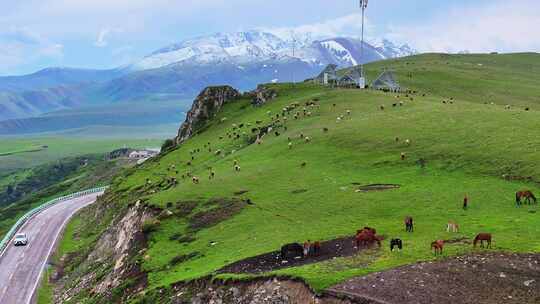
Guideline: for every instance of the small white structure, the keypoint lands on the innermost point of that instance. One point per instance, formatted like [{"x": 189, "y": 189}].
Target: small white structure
[{"x": 142, "y": 155}]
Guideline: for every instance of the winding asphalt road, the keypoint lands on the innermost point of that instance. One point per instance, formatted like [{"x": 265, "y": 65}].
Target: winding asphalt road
[{"x": 21, "y": 267}]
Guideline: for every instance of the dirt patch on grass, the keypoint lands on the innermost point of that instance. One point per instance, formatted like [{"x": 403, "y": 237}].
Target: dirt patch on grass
[
  {"x": 185, "y": 208},
  {"x": 219, "y": 210},
  {"x": 377, "y": 187},
  {"x": 479, "y": 278},
  {"x": 184, "y": 257},
  {"x": 341, "y": 247},
  {"x": 240, "y": 192}
]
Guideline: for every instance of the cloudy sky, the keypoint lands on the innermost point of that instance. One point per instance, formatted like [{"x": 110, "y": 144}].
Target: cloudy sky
[{"x": 35, "y": 34}]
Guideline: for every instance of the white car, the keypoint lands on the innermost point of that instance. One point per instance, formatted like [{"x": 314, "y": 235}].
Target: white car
[{"x": 20, "y": 239}]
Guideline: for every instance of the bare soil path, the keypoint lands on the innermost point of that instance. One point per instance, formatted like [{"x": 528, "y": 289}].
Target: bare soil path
[{"x": 480, "y": 279}]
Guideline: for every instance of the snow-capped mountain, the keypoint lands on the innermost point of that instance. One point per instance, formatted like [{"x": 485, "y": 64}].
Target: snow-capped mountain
[
  {"x": 256, "y": 46},
  {"x": 243, "y": 60}
]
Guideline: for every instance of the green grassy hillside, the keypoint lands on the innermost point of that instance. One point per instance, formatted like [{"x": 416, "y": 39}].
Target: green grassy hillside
[{"x": 467, "y": 147}]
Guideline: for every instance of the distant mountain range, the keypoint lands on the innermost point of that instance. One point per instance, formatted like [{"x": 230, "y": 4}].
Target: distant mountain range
[{"x": 181, "y": 70}]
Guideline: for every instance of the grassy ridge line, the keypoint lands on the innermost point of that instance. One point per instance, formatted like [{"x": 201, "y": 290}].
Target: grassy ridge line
[{"x": 465, "y": 148}]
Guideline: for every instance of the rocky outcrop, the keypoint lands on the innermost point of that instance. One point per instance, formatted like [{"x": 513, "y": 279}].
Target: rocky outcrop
[
  {"x": 206, "y": 106},
  {"x": 110, "y": 264},
  {"x": 262, "y": 95}
]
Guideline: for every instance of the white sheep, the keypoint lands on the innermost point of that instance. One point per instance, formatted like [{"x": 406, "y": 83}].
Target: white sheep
[{"x": 237, "y": 168}]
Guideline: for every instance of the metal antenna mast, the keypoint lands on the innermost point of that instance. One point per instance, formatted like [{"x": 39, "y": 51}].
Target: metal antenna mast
[
  {"x": 363, "y": 6},
  {"x": 293, "y": 49}
]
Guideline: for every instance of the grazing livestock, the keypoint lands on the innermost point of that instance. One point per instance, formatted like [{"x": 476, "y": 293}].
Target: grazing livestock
[
  {"x": 316, "y": 248},
  {"x": 452, "y": 226},
  {"x": 290, "y": 145},
  {"x": 507, "y": 107},
  {"x": 437, "y": 246},
  {"x": 408, "y": 142},
  {"x": 307, "y": 248},
  {"x": 307, "y": 139},
  {"x": 366, "y": 238},
  {"x": 381, "y": 107},
  {"x": 303, "y": 164},
  {"x": 212, "y": 175},
  {"x": 465, "y": 202},
  {"x": 482, "y": 237},
  {"x": 396, "y": 243},
  {"x": 409, "y": 227},
  {"x": 527, "y": 109},
  {"x": 325, "y": 129},
  {"x": 292, "y": 250},
  {"x": 348, "y": 112},
  {"x": 237, "y": 168},
  {"x": 195, "y": 180},
  {"x": 527, "y": 195},
  {"x": 403, "y": 156}
]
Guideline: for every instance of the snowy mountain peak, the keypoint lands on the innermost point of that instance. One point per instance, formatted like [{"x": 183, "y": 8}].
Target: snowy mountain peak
[{"x": 258, "y": 46}]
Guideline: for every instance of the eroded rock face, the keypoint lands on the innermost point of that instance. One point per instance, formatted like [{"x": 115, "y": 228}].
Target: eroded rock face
[
  {"x": 109, "y": 264},
  {"x": 206, "y": 105},
  {"x": 262, "y": 95}
]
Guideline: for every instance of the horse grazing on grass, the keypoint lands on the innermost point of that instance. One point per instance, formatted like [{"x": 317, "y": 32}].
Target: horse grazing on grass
[
  {"x": 483, "y": 237},
  {"x": 527, "y": 195},
  {"x": 396, "y": 243},
  {"x": 366, "y": 238},
  {"x": 409, "y": 227},
  {"x": 452, "y": 226},
  {"x": 437, "y": 246}
]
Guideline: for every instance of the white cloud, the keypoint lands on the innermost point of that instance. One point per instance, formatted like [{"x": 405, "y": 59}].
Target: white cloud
[
  {"x": 104, "y": 34},
  {"x": 505, "y": 26},
  {"x": 349, "y": 25},
  {"x": 19, "y": 45}
]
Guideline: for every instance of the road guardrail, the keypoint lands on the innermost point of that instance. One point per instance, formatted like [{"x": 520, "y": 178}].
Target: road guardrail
[{"x": 7, "y": 238}]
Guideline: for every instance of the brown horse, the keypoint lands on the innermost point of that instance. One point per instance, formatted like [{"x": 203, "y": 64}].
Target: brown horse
[
  {"x": 437, "y": 246},
  {"x": 483, "y": 237},
  {"x": 366, "y": 238},
  {"x": 527, "y": 195},
  {"x": 409, "y": 224}
]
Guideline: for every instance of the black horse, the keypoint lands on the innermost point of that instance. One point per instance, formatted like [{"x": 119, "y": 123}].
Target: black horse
[
  {"x": 394, "y": 243},
  {"x": 291, "y": 250}
]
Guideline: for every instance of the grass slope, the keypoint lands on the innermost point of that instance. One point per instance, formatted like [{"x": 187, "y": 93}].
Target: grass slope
[{"x": 467, "y": 147}]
